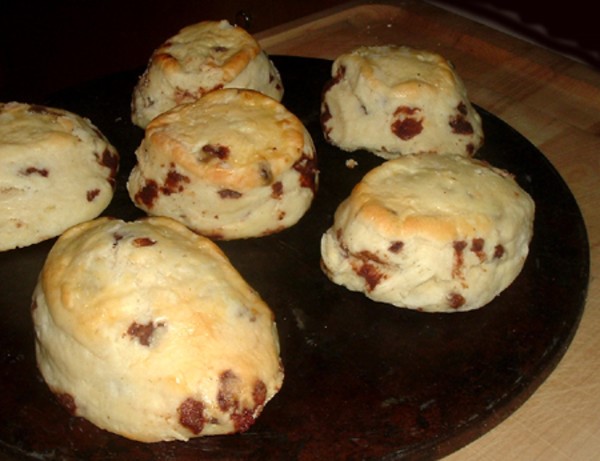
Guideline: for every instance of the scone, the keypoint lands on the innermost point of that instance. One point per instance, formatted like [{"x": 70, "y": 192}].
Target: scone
[
  {"x": 56, "y": 170},
  {"x": 234, "y": 164},
  {"x": 435, "y": 233},
  {"x": 396, "y": 100},
  {"x": 200, "y": 58},
  {"x": 146, "y": 330}
]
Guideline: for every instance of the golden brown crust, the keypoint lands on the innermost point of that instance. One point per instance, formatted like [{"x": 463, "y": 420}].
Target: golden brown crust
[
  {"x": 152, "y": 333},
  {"x": 270, "y": 134},
  {"x": 439, "y": 233},
  {"x": 201, "y": 58},
  {"x": 234, "y": 164}
]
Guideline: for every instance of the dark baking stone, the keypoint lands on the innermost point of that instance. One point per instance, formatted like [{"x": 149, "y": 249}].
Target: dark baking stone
[{"x": 363, "y": 380}]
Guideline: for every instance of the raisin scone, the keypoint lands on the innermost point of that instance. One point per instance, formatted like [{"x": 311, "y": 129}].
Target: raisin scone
[
  {"x": 234, "y": 164},
  {"x": 397, "y": 100},
  {"x": 436, "y": 233},
  {"x": 198, "y": 59},
  {"x": 56, "y": 170},
  {"x": 146, "y": 330}
]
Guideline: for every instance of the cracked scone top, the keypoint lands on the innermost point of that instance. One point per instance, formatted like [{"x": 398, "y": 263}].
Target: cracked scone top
[
  {"x": 56, "y": 170},
  {"x": 397, "y": 100},
  {"x": 200, "y": 58},
  {"x": 146, "y": 330},
  {"x": 234, "y": 164},
  {"x": 436, "y": 233}
]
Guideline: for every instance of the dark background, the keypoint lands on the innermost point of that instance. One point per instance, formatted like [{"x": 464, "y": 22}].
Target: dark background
[
  {"x": 569, "y": 27},
  {"x": 48, "y": 45}
]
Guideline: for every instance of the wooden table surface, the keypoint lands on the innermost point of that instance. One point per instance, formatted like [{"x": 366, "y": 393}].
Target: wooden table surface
[{"x": 555, "y": 103}]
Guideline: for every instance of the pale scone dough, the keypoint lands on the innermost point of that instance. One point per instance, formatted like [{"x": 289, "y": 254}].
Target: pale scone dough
[
  {"x": 56, "y": 170},
  {"x": 234, "y": 164},
  {"x": 396, "y": 100},
  {"x": 436, "y": 233},
  {"x": 200, "y": 58},
  {"x": 146, "y": 330}
]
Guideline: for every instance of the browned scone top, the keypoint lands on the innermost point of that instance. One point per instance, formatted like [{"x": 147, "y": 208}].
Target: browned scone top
[
  {"x": 234, "y": 164},
  {"x": 201, "y": 58},
  {"x": 146, "y": 329},
  {"x": 437, "y": 233}
]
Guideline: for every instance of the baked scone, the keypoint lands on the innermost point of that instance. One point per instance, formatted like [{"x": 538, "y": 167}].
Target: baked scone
[
  {"x": 56, "y": 170},
  {"x": 234, "y": 164},
  {"x": 200, "y": 58},
  {"x": 396, "y": 100},
  {"x": 146, "y": 330},
  {"x": 436, "y": 233}
]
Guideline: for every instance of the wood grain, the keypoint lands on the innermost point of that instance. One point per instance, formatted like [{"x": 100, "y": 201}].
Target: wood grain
[{"x": 554, "y": 102}]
